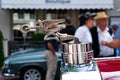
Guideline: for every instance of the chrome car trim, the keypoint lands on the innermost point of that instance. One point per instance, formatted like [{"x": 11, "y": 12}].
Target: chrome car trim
[
  {"x": 32, "y": 61},
  {"x": 9, "y": 75}
]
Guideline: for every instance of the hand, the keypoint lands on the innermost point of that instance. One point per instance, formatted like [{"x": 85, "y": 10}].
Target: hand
[{"x": 103, "y": 42}]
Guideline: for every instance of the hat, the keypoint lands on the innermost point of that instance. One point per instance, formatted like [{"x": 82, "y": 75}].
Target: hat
[
  {"x": 85, "y": 17},
  {"x": 88, "y": 15},
  {"x": 68, "y": 20},
  {"x": 101, "y": 15}
]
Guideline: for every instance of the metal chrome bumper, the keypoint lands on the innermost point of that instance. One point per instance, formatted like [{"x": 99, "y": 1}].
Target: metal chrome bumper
[
  {"x": 6, "y": 72},
  {"x": 8, "y": 75}
]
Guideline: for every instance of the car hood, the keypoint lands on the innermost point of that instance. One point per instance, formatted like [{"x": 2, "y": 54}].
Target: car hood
[{"x": 31, "y": 55}]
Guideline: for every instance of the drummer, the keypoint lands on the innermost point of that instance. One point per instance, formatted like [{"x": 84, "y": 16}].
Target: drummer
[
  {"x": 83, "y": 33},
  {"x": 52, "y": 48}
]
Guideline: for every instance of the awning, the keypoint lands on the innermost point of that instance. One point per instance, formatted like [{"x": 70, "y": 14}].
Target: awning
[{"x": 56, "y": 4}]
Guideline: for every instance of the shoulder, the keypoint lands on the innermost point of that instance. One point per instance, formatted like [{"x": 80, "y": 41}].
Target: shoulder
[{"x": 81, "y": 28}]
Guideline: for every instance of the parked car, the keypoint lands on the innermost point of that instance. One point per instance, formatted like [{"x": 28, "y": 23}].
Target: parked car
[{"x": 28, "y": 64}]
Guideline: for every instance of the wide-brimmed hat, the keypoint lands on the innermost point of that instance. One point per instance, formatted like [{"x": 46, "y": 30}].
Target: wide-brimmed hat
[
  {"x": 101, "y": 15},
  {"x": 85, "y": 17},
  {"x": 88, "y": 15}
]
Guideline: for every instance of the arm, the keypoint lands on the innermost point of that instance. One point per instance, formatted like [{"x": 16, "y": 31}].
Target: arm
[
  {"x": 116, "y": 41},
  {"x": 60, "y": 45},
  {"x": 114, "y": 44}
]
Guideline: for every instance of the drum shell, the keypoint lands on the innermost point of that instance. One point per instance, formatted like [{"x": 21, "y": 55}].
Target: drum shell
[{"x": 77, "y": 54}]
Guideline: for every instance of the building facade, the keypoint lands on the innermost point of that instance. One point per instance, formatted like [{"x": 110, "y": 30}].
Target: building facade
[
  {"x": 114, "y": 14},
  {"x": 18, "y": 12}
]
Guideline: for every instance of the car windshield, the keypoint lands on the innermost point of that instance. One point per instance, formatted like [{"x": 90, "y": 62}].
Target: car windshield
[
  {"x": 27, "y": 50},
  {"x": 16, "y": 47}
]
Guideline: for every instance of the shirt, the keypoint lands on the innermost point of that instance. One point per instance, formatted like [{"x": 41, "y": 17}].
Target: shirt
[
  {"x": 53, "y": 41},
  {"x": 69, "y": 30},
  {"x": 104, "y": 35},
  {"x": 83, "y": 34},
  {"x": 117, "y": 34}
]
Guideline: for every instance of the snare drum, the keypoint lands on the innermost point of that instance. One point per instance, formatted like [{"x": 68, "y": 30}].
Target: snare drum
[{"x": 77, "y": 54}]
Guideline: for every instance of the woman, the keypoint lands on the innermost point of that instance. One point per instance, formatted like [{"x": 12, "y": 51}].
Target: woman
[{"x": 83, "y": 33}]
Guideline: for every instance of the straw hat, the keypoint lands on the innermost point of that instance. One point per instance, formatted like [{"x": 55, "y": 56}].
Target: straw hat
[{"x": 101, "y": 15}]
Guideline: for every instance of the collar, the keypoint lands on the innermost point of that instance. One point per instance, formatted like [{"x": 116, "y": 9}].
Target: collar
[{"x": 99, "y": 30}]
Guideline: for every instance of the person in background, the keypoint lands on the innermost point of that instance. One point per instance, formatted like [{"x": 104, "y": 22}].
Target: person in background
[
  {"x": 83, "y": 32},
  {"x": 114, "y": 29},
  {"x": 116, "y": 41},
  {"x": 69, "y": 28},
  {"x": 99, "y": 33},
  {"x": 52, "y": 46}
]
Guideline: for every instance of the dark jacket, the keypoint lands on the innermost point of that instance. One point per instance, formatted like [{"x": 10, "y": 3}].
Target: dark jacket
[
  {"x": 95, "y": 40},
  {"x": 69, "y": 30}
]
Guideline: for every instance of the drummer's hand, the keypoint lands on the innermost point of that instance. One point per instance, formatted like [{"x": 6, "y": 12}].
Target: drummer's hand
[
  {"x": 60, "y": 45},
  {"x": 103, "y": 42}
]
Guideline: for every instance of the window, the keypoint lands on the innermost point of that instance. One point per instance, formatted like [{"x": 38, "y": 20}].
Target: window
[
  {"x": 32, "y": 15},
  {"x": 115, "y": 20},
  {"x": 20, "y": 15},
  {"x": 57, "y": 14}
]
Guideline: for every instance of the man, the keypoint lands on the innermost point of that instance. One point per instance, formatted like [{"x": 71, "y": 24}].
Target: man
[
  {"x": 99, "y": 33},
  {"x": 52, "y": 46},
  {"x": 116, "y": 41},
  {"x": 83, "y": 33},
  {"x": 69, "y": 28},
  {"x": 114, "y": 28}
]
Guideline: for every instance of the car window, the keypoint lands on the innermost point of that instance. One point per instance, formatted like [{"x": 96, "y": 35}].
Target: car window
[{"x": 27, "y": 50}]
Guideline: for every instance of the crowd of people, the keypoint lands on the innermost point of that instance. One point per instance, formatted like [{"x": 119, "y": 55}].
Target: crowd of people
[{"x": 93, "y": 29}]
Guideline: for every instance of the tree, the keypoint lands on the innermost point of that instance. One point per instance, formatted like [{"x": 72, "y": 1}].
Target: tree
[{"x": 38, "y": 37}]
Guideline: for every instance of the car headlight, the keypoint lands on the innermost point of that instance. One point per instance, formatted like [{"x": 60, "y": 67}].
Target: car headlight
[{"x": 6, "y": 62}]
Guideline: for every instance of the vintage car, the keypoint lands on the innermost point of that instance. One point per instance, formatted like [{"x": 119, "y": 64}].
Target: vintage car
[{"x": 28, "y": 64}]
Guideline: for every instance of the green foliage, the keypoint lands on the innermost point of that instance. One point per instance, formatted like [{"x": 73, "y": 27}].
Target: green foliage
[
  {"x": 38, "y": 37},
  {"x": 1, "y": 50}
]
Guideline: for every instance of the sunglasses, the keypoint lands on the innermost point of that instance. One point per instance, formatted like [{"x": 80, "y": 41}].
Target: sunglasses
[{"x": 91, "y": 18}]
